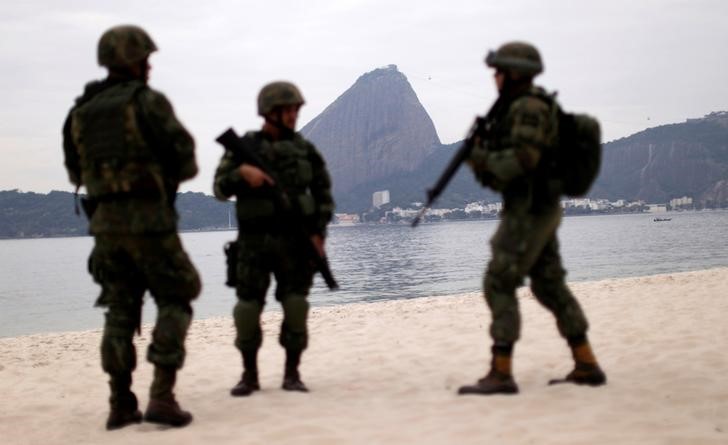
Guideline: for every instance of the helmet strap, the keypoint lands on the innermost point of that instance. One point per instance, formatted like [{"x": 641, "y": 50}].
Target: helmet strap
[
  {"x": 121, "y": 73},
  {"x": 136, "y": 72},
  {"x": 275, "y": 120},
  {"x": 515, "y": 84}
]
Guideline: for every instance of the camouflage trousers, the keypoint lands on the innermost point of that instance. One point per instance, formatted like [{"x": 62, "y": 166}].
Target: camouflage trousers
[
  {"x": 526, "y": 245},
  {"x": 259, "y": 256},
  {"x": 126, "y": 266}
]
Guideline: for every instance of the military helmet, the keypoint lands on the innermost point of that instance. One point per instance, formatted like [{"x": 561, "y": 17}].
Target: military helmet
[
  {"x": 123, "y": 46},
  {"x": 277, "y": 94},
  {"x": 517, "y": 57}
]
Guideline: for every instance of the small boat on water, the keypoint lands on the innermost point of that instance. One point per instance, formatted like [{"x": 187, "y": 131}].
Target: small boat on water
[{"x": 661, "y": 219}]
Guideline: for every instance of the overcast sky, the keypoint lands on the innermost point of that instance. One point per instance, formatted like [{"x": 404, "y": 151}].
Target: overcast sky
[{"x": 633, "y": 64}]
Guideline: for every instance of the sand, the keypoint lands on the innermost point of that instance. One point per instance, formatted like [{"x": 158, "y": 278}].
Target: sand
[{"x": 387, "y": 373}]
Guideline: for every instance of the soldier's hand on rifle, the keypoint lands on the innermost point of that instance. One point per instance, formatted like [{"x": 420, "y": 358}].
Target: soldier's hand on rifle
[
  {"x": 318, "y": 243},
  {"x": 254, "y": 176}
]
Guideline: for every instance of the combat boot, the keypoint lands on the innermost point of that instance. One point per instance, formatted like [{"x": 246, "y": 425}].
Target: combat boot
[
  {"x": 498, "y": 380},
  {"x": 167, "y": 411},
  {"x": 292, "y": 382},
  {"x": 586, "y": 369},
  {"x": 247, "y": 385},
  {"x": 292, "y": 378},
  {"x": 163, "y": 407},
  {"x": 124, "y": 406},
  {"x": 249, "y": 381}
]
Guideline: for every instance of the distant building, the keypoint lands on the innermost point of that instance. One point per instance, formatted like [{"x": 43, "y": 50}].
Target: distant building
[
  {"x": 582, "y": 202},
  {"x": 346, "y": 219},
  {"x": 380, "y": 198},
  {"x": 599, "y": 204},
  {"x": 656, "y": 208},
  {"x": 480, "y": 206},
  {"x": 475, "y": 207},
  {"x": 685, "y": 201},
  {"x": 404, "y": 213},
  {"x": 639, "y": 203}
]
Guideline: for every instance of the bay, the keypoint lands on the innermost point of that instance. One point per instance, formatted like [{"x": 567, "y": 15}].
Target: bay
[{"x": 44, "y": 286}]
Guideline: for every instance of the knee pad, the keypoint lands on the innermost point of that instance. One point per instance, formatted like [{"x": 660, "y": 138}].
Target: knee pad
[
  {"x": 247, "y": 325},
  {"x": 294, "y": 333},
  {"x": 295, "y": 313},
  {"x": 246, "y": 314}
]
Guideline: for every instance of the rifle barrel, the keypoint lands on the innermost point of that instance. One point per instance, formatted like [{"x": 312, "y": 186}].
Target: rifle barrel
[
  {"x": 420, "y": 214},
  {"x": 452, "y": 167}
]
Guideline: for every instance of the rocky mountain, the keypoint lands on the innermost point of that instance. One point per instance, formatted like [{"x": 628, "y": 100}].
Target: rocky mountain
[
  {"x": 377, "y": 136},
  {"x": 669, "y": 161},
  {"x": 374, "y": 130}
]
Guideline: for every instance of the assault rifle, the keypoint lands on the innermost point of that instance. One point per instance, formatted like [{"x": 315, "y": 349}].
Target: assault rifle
[
  {"x": 478, "y": 128},
  {"x": 230, "y": 140}
]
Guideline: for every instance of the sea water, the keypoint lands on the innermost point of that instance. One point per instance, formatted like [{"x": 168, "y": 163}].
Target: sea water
[{"x": 44, "y": 285}]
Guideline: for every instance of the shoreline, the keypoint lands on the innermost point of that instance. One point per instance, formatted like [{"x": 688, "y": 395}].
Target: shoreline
[
  {"x": 375, "y": 224},
  {"x": 274, "y": 306},
  {"x": 387, "y": 372}
]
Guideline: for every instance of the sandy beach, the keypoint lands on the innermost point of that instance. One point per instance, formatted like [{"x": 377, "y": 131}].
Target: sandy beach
[{"x": 387, "y": 373}]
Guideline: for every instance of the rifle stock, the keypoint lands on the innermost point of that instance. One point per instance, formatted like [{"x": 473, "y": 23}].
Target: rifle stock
[
  {"x": 230, "y": 140},
  {"x": 460, "y": 156}
]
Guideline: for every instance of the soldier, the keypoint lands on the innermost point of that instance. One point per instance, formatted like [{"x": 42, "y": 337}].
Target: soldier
[
  {"x": 521, "y": 130},
  {"x": 266, "y": 241},
  {"x": 123, "y": 142}
]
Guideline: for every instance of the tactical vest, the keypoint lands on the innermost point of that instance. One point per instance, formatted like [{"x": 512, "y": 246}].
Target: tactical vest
[
  {"x": 115, "y": 158},
  {"x": 289, "y": 159},
  {"x": 536, "y": 189}
]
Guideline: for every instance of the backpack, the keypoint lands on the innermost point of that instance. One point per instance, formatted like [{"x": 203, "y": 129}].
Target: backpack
[{"x": 578, "y": 153}]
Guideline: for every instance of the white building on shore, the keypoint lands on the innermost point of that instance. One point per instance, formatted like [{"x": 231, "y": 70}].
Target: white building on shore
[{"x": 380, "y": 198}]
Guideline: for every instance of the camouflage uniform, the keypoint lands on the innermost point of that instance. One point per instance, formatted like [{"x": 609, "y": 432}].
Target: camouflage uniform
[
  {"x": 123, "y": 142},
  {"x": 268, "y": 245},
  {"x": 522, "y": 131},
  {"x": 525, "y": 243}
]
